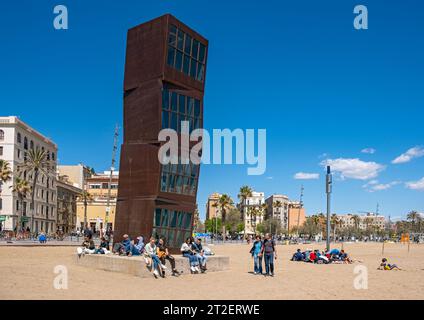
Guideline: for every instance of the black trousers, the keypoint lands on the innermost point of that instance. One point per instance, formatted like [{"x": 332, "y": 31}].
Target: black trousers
[{"x": 171, "y": 260}]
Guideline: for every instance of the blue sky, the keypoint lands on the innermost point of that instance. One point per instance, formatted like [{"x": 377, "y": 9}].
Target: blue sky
[{"x": 299, "y": 69}]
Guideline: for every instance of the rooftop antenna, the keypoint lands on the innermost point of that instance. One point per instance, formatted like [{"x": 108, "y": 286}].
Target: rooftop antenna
[{"x": 112, "y": 168}]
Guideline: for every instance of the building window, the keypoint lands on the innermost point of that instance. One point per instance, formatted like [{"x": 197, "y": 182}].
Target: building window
[
  {"x": 19, "y": 138},
  {"x": 1, "y": 135},
  {"x": 179, "y": 178},
  {"x": 1, "y": 151},
  {"x": 31, "y": 145},
  {"x": 177, "y": 108},
  {"x": 25, "y": 143},
  {"x": 53, "y": 156},
  {"x": 174, "y": 226},
  {"x": 186, "y": 54}
]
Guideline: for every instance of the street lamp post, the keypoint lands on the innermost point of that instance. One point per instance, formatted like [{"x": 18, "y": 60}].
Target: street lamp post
[{"x": 328, "y": 182}]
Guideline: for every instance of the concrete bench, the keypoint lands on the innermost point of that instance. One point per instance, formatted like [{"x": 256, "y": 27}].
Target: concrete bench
[{"x": 136, "y": 265}]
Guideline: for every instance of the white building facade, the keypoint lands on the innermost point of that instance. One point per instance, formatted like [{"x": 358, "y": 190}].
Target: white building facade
[
  {"x": 16, "y": 139},
  {"x": 363, "y": 221},
  {"x": 253, "y": 204}
]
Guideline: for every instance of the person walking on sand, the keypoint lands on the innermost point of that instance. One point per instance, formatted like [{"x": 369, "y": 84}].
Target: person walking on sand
[
  {"x": 270, "y": 253},
  {"x": 256, "y": 253}
]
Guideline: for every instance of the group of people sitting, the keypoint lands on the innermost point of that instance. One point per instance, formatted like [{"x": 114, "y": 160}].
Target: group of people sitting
[
  {"x": 88, "y": 246},
  {"x": 193, "y": 250},
  {"x": 155, "y": 252},
  {"x": 322, "y": 257}
]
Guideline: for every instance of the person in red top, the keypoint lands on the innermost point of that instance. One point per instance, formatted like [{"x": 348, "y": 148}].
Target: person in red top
[{"x": 312, "y": 256}]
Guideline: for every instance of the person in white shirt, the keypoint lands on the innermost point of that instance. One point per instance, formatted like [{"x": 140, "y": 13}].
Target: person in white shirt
[
  {"x": 187, "y": 252},
  {"x": 150, "y": 252}
]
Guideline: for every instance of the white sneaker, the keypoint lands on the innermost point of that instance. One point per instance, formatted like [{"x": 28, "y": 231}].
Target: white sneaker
[
  {"x": 197, "y": 268},
  {"x": 146, "y": 260},
  {"x": 155, "y": 273},
  {"x": 163, "y": 266},
  {"x": 193, "y": 268}
]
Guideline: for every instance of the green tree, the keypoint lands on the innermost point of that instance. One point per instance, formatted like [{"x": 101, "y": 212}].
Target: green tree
[
  {"x": 21, "y": 187},
  {"x": 212, "y": 225},
  {"x": 311, "y": 226},
  {"x": 224, "y": 203},
  {"x": 5, "y": 173},
  {"x": 233, "y": 219},
  {"x": 335, "y": 222},
  {"x": 415, "y": 219},
  {"x": 244, "y": 193},
  {"x": 36, "y": 164}
]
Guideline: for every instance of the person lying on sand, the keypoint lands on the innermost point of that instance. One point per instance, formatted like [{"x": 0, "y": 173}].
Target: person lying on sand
[{"x": 387, "y": 266}]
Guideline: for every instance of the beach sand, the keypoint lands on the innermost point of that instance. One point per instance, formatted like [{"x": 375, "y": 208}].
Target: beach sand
[{"x": 28, "y": 273}]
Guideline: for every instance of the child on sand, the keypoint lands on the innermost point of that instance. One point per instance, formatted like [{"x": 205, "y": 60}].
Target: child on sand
[{"x": 387, "y": 266}]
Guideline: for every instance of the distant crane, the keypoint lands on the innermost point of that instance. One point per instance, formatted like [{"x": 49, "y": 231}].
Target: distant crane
[{"x": 112, "y": 168}]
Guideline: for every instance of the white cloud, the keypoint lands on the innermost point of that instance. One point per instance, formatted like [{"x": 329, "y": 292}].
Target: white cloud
[
  {"x": 383, "y": 186},
  {"x": 416, "y": 185},
  {"x": 306, "y": 176},
  {"x": 374, "y": 185},
  {"x": 354, "y": 168},
  {"x": 412, "y": 153},
  {"x": 368, "y": 150},
  {"x": 270, "y": 178},
  {"x": 370, "y": 183}
]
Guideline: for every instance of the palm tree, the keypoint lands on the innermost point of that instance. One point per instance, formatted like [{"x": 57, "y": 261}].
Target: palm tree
[
  {"x": 244, "y": 193},
  {"x": 253, "y": 213},
  {"x": 262, "y": 211},
  {"x": 223, "y": 204},
  {"x": 85, "y": 197},
  {"x": 414, "y": 218},
  {"x": 22, "y": 188},
  {"x": 335, "y": 221},
  {"x": 278, "y": 204},
  {"x": 5, "y": 172},
  {"x": 36, "y": 164},
  {"x": 355, "y": 218}
]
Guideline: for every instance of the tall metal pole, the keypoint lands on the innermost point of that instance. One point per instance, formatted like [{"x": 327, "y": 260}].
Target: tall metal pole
[
  {"x": 115, "y": 147},
  {"x": 300, "y": 207},
  {"x": 328, "y": 181}
]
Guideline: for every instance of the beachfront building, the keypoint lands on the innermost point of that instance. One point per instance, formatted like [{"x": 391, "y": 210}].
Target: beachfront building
[
  {"x": 290, "y": 213},
  {"x": 97, "y": 186},
  {"x": 211, "y": 210},
  {"x": 362, "y": 222},
  {"x": 16, "y": 139},
  {"x": 253, "y": 211},
  {"x": 296, "y": 215},
  {"x": 164, "y": 84},
  {"x": 277, "y": 207},
  {"x": 77, "y": 175},
  {"x": 67, "y": 196}
]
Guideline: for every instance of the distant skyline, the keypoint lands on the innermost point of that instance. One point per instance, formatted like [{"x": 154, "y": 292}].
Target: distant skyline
[{"x": 327, "y": 94}]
